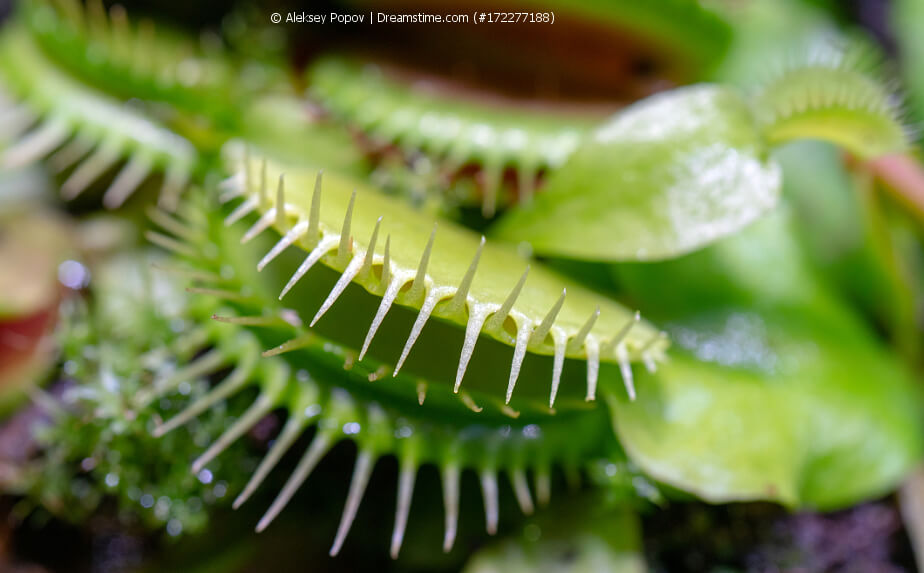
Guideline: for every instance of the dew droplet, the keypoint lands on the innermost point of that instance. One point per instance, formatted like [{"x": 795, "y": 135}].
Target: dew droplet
[{"x": 73, "y": 275}]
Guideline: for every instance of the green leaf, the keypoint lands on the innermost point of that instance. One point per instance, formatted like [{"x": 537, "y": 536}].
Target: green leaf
[
  {"x": 761, "y": 267},
  {"x": 775, "y": 407},
  {"x": 777, "y": 391},
  {"x": 665, "y": 177}
]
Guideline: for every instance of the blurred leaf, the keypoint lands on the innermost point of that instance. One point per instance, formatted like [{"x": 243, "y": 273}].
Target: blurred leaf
[
  {"x": 777, "y": 390},
  {"x": 773, "y": 407},
  {"x": 760, "y": 28},
  {"x": 581, "y": 537},
  {"x": 761, "y": 267},
  {"x": 851, "y": 238},
  {"x": 668, "y": 175}
]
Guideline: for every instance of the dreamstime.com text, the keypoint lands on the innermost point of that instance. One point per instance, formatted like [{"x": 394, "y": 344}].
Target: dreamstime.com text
[{"x": 373, "y": 18}]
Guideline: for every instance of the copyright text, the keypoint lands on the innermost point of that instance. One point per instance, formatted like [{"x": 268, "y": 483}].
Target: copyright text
[{"x": 415, "y": 18}]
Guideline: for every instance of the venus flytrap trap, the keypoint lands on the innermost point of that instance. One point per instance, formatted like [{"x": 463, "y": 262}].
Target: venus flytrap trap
[
  {"x": 457, "y": 133},
  {"x": 512, "y": 140},
  {"x": 69, "y": 72},
  {"x": 437, "y": 268},
  {"x": 136, "y": 59},
  {"x": 194, "y": 76},
  {"x": 837, "y": 94},
  {"x": 324, "y": 385},
  {"x": 81, "y": 130},
  {"x": 841, "y": 218}
]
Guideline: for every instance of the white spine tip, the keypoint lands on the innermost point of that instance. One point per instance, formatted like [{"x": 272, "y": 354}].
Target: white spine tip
[
  {"x": 519, "y": 353},
  {"x": 625, "y": 368},
  {"x": 472, "y": 330},
  {"x": 406, "y": 479},
  {"x": 361, "y": 473},
  {"x": 489, "y": 492},
  {"x": 387, "y": 300},
  {"x": 450, "y": 476},
  {"x": 425, "y": 310},
  {"x": 419, "y": 283},
  {"x": 521, "y": 491},
  {"x": 370, "y": 250},
  {"x": 345, "y": 279}
]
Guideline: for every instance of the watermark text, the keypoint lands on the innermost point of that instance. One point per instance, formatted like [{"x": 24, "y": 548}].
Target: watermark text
[{"x": 373, "y": 18}]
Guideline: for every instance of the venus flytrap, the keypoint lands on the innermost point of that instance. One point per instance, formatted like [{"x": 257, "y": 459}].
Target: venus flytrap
[
  {"x": 323, "y": 384},
  {"x": 355, "y": 316}
]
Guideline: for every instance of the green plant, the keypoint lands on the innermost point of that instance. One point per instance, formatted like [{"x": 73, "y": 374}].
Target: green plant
[{"x": 436, "y": 334}]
